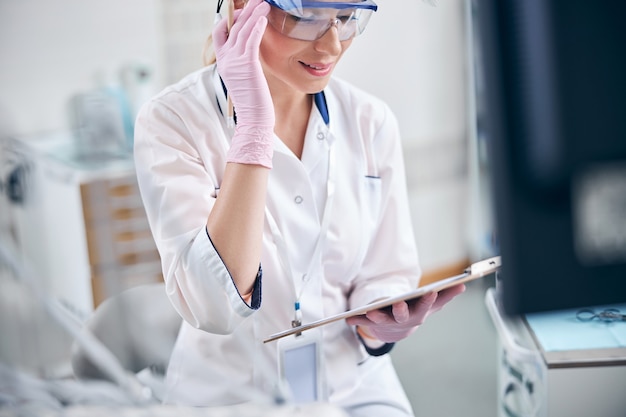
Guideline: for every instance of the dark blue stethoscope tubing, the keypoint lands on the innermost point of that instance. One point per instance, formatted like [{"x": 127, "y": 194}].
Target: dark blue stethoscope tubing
[{"x": 319, "y": 98}]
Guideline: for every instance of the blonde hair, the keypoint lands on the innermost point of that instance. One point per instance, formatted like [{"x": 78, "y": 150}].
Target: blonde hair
[{"x": 208, "y": 53}]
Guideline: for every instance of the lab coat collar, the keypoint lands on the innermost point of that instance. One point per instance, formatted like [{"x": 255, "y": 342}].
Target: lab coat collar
[{"x": 317, "y": 141}]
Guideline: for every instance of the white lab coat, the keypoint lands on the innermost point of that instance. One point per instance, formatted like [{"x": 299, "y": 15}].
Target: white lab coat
[{"x": 369, "y": 251}]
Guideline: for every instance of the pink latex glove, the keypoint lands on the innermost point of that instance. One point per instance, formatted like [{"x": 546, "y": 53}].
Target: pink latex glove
[
  {"x": 239, "y": 66},
  {"x": 396, "y": 323}
]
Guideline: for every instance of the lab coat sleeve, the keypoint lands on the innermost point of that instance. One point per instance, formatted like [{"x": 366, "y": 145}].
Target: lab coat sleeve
[
  {"x": 178, "y": 187},
  {"x": 391, "y": 264}
]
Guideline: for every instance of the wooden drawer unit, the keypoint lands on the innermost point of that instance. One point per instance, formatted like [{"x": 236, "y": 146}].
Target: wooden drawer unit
[{"x": 122, "y": 252}]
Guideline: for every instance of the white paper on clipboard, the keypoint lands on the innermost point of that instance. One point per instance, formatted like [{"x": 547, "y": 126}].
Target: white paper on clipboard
[{"x": 474, "y": 271}]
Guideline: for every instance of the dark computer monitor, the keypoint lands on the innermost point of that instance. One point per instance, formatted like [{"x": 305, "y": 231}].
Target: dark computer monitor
[{"x": 554, "y": 76}]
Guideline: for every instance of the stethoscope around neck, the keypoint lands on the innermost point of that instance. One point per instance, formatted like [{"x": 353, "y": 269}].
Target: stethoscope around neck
[{"x": 318, "y": 98}]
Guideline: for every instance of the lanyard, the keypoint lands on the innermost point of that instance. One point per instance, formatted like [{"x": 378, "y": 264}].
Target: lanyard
[
  {"x": 320, "y": 102},
  {"x": 281, "y": 245}
]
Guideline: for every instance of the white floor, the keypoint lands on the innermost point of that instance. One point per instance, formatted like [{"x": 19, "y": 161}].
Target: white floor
[{"x": 449, "y": 365}]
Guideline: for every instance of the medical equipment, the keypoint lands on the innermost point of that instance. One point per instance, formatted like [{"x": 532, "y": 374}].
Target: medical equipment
[
  {"x": 311, "y": 20},
  {"x": 608, "y": 315},
  {"x": 551, "y": 364},
  {"x": 101, "y": 124},
  {"x": 135, "y": 392},
  {"x": 552, "y": 114},
  {"x": 130, "y": 394}
]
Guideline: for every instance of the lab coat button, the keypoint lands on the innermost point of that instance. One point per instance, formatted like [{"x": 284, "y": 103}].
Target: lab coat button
[
  {"x": 321, "y": 136},
  {"x": 298, "y": 199}
]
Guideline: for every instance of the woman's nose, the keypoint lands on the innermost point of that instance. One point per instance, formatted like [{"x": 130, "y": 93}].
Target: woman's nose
[{"x": 329, "y": 42}]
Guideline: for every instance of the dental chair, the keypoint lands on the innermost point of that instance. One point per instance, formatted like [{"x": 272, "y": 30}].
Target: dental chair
[
  {"x": 127, "y": 335},
  {"x": 138, "y": 326}
]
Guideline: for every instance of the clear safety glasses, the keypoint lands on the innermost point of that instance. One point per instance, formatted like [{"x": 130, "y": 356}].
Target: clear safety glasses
[{"x": 310, "y": 20}]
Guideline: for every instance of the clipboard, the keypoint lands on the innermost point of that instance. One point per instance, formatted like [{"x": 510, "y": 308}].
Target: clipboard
[{"x": 474, "y": 271}]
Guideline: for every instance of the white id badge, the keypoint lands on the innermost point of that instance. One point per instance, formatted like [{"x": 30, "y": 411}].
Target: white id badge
[{"x": 300, "y": 366}]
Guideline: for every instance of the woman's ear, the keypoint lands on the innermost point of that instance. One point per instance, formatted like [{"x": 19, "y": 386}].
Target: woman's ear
[{"x": 239, "y": 4}]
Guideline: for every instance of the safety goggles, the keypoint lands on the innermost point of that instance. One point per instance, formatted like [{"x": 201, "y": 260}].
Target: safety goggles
[{"x": 310, "y": 20}]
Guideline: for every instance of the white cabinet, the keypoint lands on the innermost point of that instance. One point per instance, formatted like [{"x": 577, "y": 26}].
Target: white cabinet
[{"x": 82, "y": 228}]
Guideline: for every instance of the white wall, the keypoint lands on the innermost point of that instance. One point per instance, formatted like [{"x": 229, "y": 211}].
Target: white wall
[
  {"x": 411, "y": 55},
  {"x": 53, "y": 49}
]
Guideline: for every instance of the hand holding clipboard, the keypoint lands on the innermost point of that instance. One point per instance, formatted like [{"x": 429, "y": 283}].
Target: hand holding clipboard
[{"x": 474, "y": 271}]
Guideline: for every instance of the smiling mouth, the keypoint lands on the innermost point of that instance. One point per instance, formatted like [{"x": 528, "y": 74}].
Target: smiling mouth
[{"x": 316, "y": 67}]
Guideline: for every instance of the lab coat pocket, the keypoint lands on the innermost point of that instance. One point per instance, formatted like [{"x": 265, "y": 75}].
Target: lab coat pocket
[
  {"x": 371, "y": 201},
  {"x": 370, "y": 211}
]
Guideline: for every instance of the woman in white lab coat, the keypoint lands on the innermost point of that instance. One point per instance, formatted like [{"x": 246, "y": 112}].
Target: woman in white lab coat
[{"x": 298, "y": 213}]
